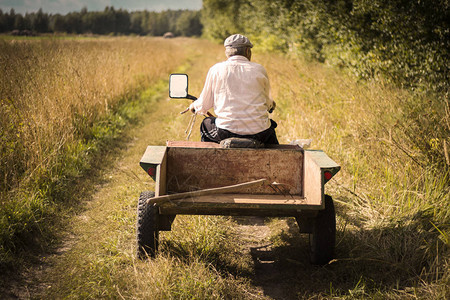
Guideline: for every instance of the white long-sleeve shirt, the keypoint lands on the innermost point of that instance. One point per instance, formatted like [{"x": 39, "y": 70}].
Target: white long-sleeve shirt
[{"x": 239, "y": 91}]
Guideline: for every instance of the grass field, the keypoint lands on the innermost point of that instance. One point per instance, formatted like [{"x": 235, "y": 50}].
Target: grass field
[
  {"x": 58, "y": 103},
  {"x": 63, "y": 101}
]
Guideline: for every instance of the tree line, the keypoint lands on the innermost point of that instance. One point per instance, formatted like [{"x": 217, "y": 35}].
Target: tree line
[
  {"x": 108, "y": 21},
  {"x": 405, "y": 41}
]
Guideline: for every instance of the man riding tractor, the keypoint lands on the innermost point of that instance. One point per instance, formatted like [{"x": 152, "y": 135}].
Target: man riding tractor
[{"x": 239, "y": 92}]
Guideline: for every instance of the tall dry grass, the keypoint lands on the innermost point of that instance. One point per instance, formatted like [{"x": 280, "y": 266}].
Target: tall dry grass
[
  {"x": 52, "y": 91},
  {"x": 393, "y": 192},
  {"x": 56, "y": 102}
]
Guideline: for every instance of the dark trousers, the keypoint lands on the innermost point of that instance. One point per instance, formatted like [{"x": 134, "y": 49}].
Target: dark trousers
[{"x": 211, "y": 133}]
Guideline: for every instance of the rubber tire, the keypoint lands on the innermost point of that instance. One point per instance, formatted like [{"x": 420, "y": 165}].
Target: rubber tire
[
  {"x": 322, "y": 240},
  {"x": 147, "y": 233}
]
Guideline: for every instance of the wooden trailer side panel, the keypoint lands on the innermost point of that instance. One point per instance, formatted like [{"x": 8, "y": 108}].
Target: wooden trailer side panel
[
  {"x": 154, "y": 162},
  {"x": 190, "y": 169},
  {"x": 316, "y": 164}
]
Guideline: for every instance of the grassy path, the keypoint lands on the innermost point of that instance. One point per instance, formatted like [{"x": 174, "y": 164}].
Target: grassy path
[
  {"x": 203, "y": 257},
  {"x": 387, "y": 247},
  {"x": 97, "y": 256}
]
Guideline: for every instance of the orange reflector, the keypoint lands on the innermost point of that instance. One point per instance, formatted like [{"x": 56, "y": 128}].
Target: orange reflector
[{"x": 327, "y": 175}]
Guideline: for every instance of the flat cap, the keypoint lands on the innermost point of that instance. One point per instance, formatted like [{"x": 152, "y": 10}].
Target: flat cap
[{"x": 237, "y": 40}]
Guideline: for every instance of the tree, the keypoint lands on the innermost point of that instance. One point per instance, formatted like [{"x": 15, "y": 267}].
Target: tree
[
  {"x": 74, "y": 23},
  {"x": 3, "y": 21},
  {"x": 188, "y": 24},
  {"x": 19, "y": 22},
  {"x": 40, "y": 21},
  {"x": 58, "y": 23},
  {"x": 136, "y": 22},
  {"x": 110, "y": 20},
  {"x": 123, "y": 23},
  {"x": 221, "y": 18}
]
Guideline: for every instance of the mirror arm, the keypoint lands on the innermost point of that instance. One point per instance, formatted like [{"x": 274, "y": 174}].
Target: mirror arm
[{"x": 190, "y": 97}]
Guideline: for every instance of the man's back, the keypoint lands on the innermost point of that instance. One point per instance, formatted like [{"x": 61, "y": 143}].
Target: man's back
[{"x": 241, "y": 94}]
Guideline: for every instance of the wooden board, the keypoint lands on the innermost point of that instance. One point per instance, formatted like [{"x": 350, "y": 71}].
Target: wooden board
[
  {"x": 161, "y": 183},
  {"x": 189, "y": 144},
  {"x": 206, "y": 192},
  {"x": 244, "y": 199},
  {"x": 239, "y": 205},
  {"x": 315, "y": 164},
  {"x": 190, "y": 169},
  {"x": 234, "y": 211}
]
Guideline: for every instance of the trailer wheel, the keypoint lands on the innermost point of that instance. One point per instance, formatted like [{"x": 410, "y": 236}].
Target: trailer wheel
[
  {"x": 322, "y": 240},
  {"x": 147, "y": 232}
]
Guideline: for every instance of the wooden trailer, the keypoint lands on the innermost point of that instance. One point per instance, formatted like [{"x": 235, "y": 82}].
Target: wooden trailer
[{"x": 203, "y": 178}]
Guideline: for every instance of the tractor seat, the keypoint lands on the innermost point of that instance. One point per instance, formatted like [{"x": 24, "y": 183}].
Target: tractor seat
[{"x": 235, "y": 142}]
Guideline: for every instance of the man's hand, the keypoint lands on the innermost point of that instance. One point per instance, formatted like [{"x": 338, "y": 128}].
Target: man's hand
[
  {"x": 273, "y": 107},
  {"x": 192, "y": 108}
]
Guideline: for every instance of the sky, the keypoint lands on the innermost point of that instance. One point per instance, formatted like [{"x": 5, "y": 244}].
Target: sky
[{"x": 65, "y": 6}]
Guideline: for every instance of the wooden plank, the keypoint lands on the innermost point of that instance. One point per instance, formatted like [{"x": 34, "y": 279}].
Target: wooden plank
[
  {"x": 161, "y": 177},
  {"x": 240, "y": 205},
  {"x": 315, "y": 164},
  {"x": 205, "y": 192},
  {"x": 190, "y": 144},
  {"x": 152, "y": 159},
  {"x": 244, "y": 199},
  {"x": 313, "y": 181},
  {"x": 322, "y": 160},
  {"x": 154, "y": 154},
  {"x": 192, "y": 169},
  {"x": 265, "y": 211}
]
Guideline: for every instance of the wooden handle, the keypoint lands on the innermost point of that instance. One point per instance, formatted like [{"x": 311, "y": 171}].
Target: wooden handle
[{"x": 205, "y": 192}]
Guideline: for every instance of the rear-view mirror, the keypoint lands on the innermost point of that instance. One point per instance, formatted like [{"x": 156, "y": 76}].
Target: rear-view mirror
[{"x": 178, "y": 86}]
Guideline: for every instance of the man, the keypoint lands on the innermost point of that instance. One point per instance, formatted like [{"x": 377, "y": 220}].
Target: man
[{"x": 239, "y": 92}]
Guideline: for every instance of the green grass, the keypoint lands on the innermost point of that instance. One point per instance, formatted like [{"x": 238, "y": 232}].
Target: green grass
[{"x": 28, "y": 221}]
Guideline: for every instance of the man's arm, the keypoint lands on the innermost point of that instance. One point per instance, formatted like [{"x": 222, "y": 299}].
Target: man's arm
[
  {"x": 269, "y": 101},
  {"x": 206, "y": 99}
]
